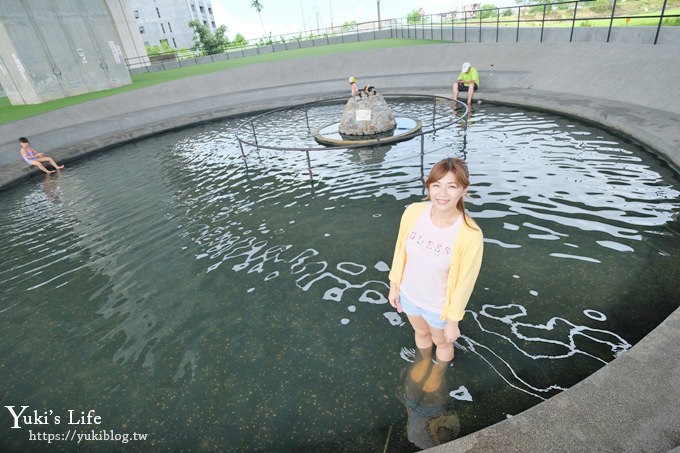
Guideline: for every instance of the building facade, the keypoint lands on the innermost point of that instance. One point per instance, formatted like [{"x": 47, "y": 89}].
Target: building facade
[
  {"x": 55, "y": 49},
  {"x": 168, "y": 21}
]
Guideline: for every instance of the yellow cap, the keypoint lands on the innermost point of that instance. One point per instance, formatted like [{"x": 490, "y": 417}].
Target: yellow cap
[{"x": 352, "y": 79}]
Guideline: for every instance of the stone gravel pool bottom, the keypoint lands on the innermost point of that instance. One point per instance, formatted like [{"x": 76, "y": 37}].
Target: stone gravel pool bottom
[{"x": 175, "y": 293}]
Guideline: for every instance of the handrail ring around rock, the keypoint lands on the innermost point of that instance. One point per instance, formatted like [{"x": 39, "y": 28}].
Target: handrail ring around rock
[{"x": 250, "y": 124}]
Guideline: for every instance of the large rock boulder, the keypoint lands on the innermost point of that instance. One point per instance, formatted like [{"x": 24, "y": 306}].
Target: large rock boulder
[{"x": 366, "y": 116}]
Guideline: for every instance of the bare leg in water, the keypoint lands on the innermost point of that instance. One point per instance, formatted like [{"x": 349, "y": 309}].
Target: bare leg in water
[{"x": 426, "y": 336}]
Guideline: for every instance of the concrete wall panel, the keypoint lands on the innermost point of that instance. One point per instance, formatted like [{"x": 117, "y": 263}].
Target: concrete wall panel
[
  {"x": 121, "y": 12},
  {"x": 669, "y": 35},
  {"x": 14, "y": 75},
  {"x": 60, "y": 49},
  {"x": 65, "y": 33},
  {"x": 107, "y": 42},
  {"x": 201, "y": 60}
]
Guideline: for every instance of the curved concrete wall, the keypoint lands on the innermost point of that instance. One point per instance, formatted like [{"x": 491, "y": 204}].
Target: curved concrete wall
[
  {"x": 617, "y": 85},
  {"x": 632, "y": 88}
]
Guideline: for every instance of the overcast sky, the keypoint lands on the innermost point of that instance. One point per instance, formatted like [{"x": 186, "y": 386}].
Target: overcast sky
[{"x": 289, "y": 16}]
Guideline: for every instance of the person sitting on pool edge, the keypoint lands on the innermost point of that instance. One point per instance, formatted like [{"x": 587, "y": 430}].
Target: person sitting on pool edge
[
  {"x": 353, "y": 85},
  {"x": 468, "y": 80},
  {"x": 32, "y": 157},
  {"x": 368, "y": 90}
]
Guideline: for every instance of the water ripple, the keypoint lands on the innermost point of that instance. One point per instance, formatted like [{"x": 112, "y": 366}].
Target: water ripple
[{"x": 170, "y": 271}]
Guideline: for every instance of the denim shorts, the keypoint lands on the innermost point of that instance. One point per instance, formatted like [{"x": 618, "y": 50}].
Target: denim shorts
[{"x": 412, "y": 309}]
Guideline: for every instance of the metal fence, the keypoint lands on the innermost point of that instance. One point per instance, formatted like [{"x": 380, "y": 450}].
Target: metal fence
[
  {"x": 595, "y": 19},
  {"x": 564, "y": 14}
]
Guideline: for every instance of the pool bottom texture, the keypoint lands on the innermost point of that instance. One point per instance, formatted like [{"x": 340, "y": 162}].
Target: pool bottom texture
[{"x": 178, "y": 293}]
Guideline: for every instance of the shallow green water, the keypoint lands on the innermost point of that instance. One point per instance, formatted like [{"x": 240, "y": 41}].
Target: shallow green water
[{"x": 178, "y": 294}]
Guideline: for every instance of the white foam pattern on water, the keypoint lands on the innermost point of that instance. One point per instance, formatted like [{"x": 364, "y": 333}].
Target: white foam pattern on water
[{"x": 173, "y": 259}]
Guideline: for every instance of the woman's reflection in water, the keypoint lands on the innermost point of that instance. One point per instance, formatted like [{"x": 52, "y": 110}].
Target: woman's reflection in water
[{"x": 431, "y": 416}]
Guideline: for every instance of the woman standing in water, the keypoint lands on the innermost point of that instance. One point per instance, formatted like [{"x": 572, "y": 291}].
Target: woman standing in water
[{"x": 435, "y": 266}]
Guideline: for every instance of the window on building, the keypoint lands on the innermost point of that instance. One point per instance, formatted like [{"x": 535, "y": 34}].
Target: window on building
[
  {"x": 169, "y": 27},
  {"x": 141, "y": 29},
  {"x": 158, "y": 12},
  {"x": 193, "y": 8},
  {"x": 163, "y": 28},
  {"x": 209, "y": 10},
  {"x": 202, "y": 10},
  {"x": 205, "y": 22},
  {"x": 136, "y": 14},
  {"x": 213, "y": 24}
]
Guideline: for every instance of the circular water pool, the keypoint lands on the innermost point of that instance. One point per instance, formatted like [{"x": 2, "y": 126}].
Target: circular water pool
[{"x": 213, "y": 306}]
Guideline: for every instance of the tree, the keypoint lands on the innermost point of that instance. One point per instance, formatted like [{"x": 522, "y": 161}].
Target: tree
[
  {"x": 239, "y": 40},
  {"x": 414, "y": 17},
  {"x": 601, "y": 6},
  {"x": 258, "y": 7},
  {"x": 206, "y": 41},
  {"x": 348, "y": 26},
  {"x": 487, "y": 10},
  {"x": 157, "y": 50}
]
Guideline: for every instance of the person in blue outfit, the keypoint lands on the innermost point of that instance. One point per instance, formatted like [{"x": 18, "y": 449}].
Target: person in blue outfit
[{"x": 34, "y": 158}]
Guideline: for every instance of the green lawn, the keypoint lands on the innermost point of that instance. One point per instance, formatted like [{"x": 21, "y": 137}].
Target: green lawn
[
  {"x": 9, "y": 113},
  {"x": 585, "y": 16}
]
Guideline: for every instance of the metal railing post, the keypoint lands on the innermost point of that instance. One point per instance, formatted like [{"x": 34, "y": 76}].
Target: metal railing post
[
  {"x": 658, "y": 28},
  {"x": 431, "y": 32},
  {"x": 573, "y": 22},
  {"x": 519, "y": 9},
  {"x": 498, "y": 21},
  {"x": 243, "y": 154},
  {"x": 252, "y": 126},
  {"x": 465, "y": 25},
  {"x": 543, "y": 23},
  {"x": 480, "y": 25},
  {"x": 611, "y": 21},
  {"x": 309, "y": 166},
  {"x": 422, "y": 171},
  {"x": 434, "y": 110}
]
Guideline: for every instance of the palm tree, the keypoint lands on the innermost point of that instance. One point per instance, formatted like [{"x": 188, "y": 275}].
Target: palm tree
[{"x": 258, "y": 7}]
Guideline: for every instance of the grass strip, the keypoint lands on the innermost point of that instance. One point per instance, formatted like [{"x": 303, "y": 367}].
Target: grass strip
[{"x": 10, "y": 113}]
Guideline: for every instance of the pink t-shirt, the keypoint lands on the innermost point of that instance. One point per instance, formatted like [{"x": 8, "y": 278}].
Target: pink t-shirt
[{"x": 428, "y": 258}]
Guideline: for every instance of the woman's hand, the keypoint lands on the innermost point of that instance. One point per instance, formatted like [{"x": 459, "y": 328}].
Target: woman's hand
[
  {"x": 451, "y": 331},
  {"x": 393, "y": 296}
]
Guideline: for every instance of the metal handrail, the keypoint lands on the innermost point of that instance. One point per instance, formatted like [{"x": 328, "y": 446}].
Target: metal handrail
[
  {"x": 396, "y": 28},
  {"x": 249, "y": 124}
]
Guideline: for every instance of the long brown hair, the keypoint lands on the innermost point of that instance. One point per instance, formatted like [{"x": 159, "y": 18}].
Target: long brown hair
[{"x": 459, "y": 169}]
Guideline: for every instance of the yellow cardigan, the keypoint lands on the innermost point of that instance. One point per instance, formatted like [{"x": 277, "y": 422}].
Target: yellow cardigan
[{"x": 466, "y": 260}]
